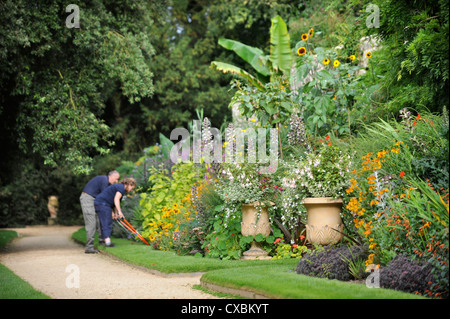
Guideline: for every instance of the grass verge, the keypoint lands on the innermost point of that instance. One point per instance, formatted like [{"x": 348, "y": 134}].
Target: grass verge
[
  {"x": 169, "y": 262},
  {"x": 271, "y": 278},
  {"x": 12, "y": 286},
  {"x": 280, "y": 282}
]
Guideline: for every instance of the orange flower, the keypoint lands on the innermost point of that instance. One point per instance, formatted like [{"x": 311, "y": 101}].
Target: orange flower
[{"x": 402, "y": 173}]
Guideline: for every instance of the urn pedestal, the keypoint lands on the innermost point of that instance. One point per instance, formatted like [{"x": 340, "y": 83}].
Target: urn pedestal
[{"x": 255, "y": 222}]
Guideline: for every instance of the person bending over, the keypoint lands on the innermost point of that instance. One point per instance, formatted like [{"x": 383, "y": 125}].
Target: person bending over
[
  {"x": 92, "y": 189},
  {"x": 107, "y": 206}
]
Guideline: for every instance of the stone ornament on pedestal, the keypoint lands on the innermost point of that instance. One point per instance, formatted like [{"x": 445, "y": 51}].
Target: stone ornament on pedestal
[
  {"x": 52, "y": 209},
  {"x": 324, "y": 225},
  {"x": 252, "y": 225}
]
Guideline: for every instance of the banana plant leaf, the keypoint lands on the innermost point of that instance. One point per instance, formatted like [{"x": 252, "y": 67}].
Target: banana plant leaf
[
  {"x": 254, "y": 56},
  {"x": 280, "y": 48},
  {"x": 229, "y": 68}
]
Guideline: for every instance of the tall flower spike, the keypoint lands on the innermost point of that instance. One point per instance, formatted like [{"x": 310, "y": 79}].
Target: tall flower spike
[
  {"x": 207, "y": 139},
  {"x": 297, "y": 133},
  {"x": 231, "y": 142},
  {"x": 445, "y": 117}
]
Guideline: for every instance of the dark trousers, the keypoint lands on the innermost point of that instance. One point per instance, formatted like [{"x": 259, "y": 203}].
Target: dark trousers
[{"x": 104, "y": 213}]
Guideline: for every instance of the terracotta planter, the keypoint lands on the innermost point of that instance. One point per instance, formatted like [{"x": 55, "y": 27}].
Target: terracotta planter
[
  {"x": 324, "y": 215},
  {"x": 251, "y": 226}
]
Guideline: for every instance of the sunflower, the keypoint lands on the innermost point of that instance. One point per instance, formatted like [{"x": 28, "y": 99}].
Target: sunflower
[
  {"x": 369, "y": 55},
  {"x": 326, "y": 61},
  {"x": 352, "y": 57},
  {"x": 336, "y": 63},
  {"x": 304, "y": 37},
  {"x": 311, "y": 32},
  {"x": 301, "y": 51}
]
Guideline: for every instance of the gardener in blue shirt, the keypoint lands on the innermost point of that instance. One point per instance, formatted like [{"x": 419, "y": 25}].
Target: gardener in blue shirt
[
  {"x": 92, "y": 189},
  {"x": 107, "y": 206}
]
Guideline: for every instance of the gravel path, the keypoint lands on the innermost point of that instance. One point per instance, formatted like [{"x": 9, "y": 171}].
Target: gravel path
[{"x": 48, "y": 259}]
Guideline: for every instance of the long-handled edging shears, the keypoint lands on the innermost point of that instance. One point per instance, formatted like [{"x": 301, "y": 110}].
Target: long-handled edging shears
[{"x": 127, "y": 226}]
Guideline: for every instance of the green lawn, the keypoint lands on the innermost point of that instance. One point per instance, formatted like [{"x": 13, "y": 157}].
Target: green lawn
[
  {"x": 277, "y": 281},
  {"x": 12, "y": 286},
  {"x": 272, "y": 278},
  {"x": 168, "y": 262},
  {"x": 6, "y": 236}
]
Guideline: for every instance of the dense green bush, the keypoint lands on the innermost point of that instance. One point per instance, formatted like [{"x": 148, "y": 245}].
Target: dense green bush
[{"x": 24, "y": 201}]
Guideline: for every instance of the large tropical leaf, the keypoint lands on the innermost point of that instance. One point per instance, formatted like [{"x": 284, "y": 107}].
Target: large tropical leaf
[
  {"x": 280, "y": 48},
  {"x": 254, "y": 56},
  {"x": 229, "y": 68}
]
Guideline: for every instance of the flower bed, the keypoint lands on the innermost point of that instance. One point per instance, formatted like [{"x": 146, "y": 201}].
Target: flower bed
[{"x": 391, "y": 175}]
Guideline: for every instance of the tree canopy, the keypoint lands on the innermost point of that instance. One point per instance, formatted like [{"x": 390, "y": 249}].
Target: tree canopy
[{"x": 55, "y": 81}]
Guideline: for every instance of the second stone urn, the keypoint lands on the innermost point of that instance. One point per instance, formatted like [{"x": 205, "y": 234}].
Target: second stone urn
[
  {"x": 255, "y": 220},
  {"x": 324, "y": 225}
]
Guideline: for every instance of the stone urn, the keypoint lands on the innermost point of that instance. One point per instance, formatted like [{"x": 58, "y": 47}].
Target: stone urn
[
  {"x": 255, "y": 220},
  {"x": 324, "y": 224}
]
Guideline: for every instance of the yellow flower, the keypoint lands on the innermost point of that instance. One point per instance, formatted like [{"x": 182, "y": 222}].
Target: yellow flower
[
  {"x": 325, "y": 61},
  {"x": 301, "y": 51},
  {"x": 311, "y": 32},
  {"x": 370, "y": 259},
  {"x": 304, "y": 37},
  {"x": 352, "y": 57},
  {"x": 369, "y": 55},
  {"x": 336, "y": 63},
  {"x": 381, "y": 154}
]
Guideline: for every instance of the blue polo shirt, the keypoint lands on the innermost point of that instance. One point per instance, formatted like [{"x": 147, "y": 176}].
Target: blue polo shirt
[
  {"x": 107, "y": 196},
  {"x": 96, "y": 185}
]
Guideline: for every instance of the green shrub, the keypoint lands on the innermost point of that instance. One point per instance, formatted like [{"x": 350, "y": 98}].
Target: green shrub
[{"x": 163, "y": 209}]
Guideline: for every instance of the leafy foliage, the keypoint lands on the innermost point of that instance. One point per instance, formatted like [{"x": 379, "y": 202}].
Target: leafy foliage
[
  {"x": 416, "y": 37},
  {"x": 330, "y": 262},
  {"x": 404, "y": 274},
  {"x": 60, "y": 78}
]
